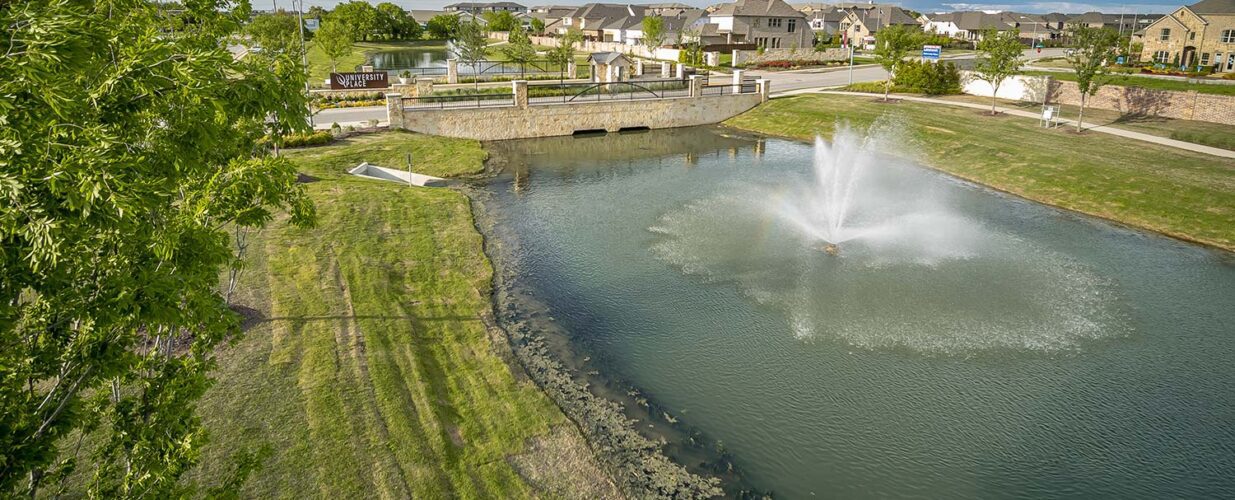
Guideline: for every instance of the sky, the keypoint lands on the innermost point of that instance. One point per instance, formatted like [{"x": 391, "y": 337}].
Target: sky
[{"x": 1033, "y": 6}]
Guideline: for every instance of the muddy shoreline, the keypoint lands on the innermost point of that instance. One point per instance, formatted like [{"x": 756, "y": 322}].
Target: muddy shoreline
[{"x": 647, "y": 451}]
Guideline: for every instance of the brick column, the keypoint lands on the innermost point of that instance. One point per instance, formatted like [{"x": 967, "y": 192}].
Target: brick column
[
  {"x": 712, "y": 58},
  {"x": 366, "y": 69},
  {"x": 394, "y": 110},
  {"x": 452, "y": 71},
  {"x": 680, "y": 71},
  {"x": 665, "y": 67},
  {"x": 520, "y": 90},
  {"x": 638, "y": 67},
  {"x": 737, "y": 56},
  {"x": 572, "y": 69},
  {"x": 737, "y": 80},
  {"x": 761, "y": 86},
  {"x": 696, "y": 85}
]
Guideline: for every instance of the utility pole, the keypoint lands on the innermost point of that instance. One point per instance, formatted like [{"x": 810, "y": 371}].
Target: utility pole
[
  {"x": 304, "y": 60},
  {"x": 851, "y": 62}
]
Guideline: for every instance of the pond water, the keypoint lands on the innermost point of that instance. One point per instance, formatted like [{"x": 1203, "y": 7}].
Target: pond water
[
  {"x": 411, "y": 57},
  {"x": 981, "y": 346}
]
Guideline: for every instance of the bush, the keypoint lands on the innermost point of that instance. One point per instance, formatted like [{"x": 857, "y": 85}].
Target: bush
[
  {"x": 1213, "y": 139},
  {"x": 877, "y": 88},
  {"x": 301, "y": 140},
  {"x": 928, "y": 78}
]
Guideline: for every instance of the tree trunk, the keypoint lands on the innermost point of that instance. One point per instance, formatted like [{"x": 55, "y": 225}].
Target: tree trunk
[
  {"x": 994, "y": 92},
  {"x": 1080, "y": 117},
  {"x": 887, "y": 87}
]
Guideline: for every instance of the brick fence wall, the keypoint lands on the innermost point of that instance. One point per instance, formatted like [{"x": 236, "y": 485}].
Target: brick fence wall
[{"x": 803, "y": 54}]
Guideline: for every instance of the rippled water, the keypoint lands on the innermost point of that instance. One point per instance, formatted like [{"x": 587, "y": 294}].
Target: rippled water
[{"x": 1057, "y": 356}]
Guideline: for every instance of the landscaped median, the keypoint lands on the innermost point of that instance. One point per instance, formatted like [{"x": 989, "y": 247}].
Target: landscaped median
[
  {"x": 1183, "y": 194},
  {"x": 370, "y": 367}
]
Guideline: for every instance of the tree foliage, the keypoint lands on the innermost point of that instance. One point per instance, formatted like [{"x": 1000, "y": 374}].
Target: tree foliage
[
  {"x": 892, "y": 45},
  {"x": 395, "y": 23},
  {"x": 518, "y": 49},
  {"x": 360, "y": 17},
  {"x": 654, "y": 31},
  {"x": 442, "y": 26},
  {"x": 501, "y": 21},
  {"x": 471, "y": 45},
  {"x": 278, "y": 32},
  {"x": 537, "y": 26},
  {"x": 999, "y": 58},
  {"x": 130, "y": 144},
  {"x": 564, "y": 53},
  {"x": 1092, "y": 50},
  {"x": 335, "y": 40}
]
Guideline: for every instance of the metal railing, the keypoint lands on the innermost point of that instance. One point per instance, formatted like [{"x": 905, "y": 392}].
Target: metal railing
[
  {"x": 611, "y": 91},
  {"x": 479, "y": 100},
  {"x": 746, "y": 87},
  {"x": 538, "y": 67}
]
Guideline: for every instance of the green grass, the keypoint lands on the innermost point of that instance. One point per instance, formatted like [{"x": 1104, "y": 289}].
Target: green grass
[
  {"x": 1180, "y": 193},
  {"x": 1144, "y": 82},
  {"x": 319, "y": 64},
  {"x": 1217, "y": 135},
  {"x": 374, "y": 374}
]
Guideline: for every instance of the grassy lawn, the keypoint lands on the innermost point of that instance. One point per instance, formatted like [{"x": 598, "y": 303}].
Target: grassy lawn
[
  {"x": 1184, "y": 194},
  {"x": 372, "y": 372},
  {"x": 1210, "y": 134},
  {"x": 1144, "y": 82},
  {"x": 319, "y": 64}
]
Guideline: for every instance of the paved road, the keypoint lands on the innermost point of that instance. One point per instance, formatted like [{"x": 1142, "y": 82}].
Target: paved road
[{"x": 781, "y": 81}]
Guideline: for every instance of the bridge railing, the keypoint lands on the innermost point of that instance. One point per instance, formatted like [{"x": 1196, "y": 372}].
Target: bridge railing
[
  {"x": 453, "y": 101},
  {"x": 560, "y": 92}
]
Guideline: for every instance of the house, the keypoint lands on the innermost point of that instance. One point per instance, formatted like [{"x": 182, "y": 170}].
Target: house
[
  {"x": 422, "y": 17},
  {"x": 481, "y": 8},
  {"x": 1201, "y": 34},
  {"x": 826, "y": 21},
  {"x": 862, "y": 21},
  {"x": 594, "y": 19},
  {"x": 1122, "y": 22},
  {"x": 811, "y": 8},
  {"x": 770, "y": 24},
  {"x": 1032, "y": 26},
  {"x": 966, "y": 25}
]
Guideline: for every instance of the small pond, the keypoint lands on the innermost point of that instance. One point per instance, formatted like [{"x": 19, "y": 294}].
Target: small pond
[{"x": 977, "y": 346}]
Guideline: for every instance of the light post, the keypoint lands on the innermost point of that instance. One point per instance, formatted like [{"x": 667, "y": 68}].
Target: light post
[
  {"x": 851, "y": 62},
  {"x": 304, "y": 60}
]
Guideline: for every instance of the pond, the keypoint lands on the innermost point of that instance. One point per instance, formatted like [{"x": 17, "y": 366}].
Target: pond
[
  {"x": 956, "y": 341},
  {"x": 424, "y": 58}
]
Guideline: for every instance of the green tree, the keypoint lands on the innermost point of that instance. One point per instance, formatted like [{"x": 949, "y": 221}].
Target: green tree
[
  {"x": 315, "y": 12},
  {"x": 471, "y": 45},
  {"x": 1092, "y": 50},
  {"x": 442, "y": 26},
  {"x": 336, "y": 41},
  {"x": 391, "y": 20},
  {"x": 892, "y": 45},
  {"x": 999, "y": 58},
  {"x": 278, "y": 32},
  {"x": 519, "y": 50},
  {"x": 132, "y": 141},
  {"x": 564, "y": 53},
  {"x": 359, "y": 17},
  {"x": 654, "y": 31},
  {"x": 537, "y": 26},
  {"x": 501, "y": 21}
]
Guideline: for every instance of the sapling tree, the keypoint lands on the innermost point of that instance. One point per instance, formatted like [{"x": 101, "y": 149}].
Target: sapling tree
[
  {"x": 1092, "y": 50},
  {"x": 336, "y": 40},
  {"x": 999, "y": 58},
  {"x": 132, "y": 141},
  {"x": 892, "y": 45},
  {"x": 654, "y": 31},
  {"x": 471, "y": 45},
  {"x": 564, "y": 53},
  {"x": 518, "y": 49}
]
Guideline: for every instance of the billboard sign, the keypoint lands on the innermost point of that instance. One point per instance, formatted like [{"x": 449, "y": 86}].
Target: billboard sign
[
  {"x": 351, "y": 81},
  {"x": 931, "y": 52}
]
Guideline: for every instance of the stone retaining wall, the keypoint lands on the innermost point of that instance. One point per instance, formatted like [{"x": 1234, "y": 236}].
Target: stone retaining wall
[
  {"x": 744, "y": 57},
  {"x": 519, "y": 120}
]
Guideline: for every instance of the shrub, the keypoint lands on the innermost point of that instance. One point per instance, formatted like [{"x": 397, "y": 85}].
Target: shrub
[
  {"x": 877, "y": 88},
  {"x": 928, "y": 78},
  {"x": 1213, "y": 139},
  {"x": 301, "y": 140}
]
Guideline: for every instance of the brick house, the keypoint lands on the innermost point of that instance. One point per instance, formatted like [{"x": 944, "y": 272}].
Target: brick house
[
  {"x": 770, "y": 24},
  {"x": 1201, "y": 34}
]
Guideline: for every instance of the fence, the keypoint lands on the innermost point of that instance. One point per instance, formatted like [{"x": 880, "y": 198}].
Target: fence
[
  {"x": 538, "y": 67},
  {"x": 612, "y": 91},
  {"x": 475, "y": 100},
  {"x": 746, "y": 87}
]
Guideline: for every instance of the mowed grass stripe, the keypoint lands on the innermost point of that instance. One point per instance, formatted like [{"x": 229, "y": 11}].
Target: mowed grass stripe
[{"x": 1176, "y": 192}]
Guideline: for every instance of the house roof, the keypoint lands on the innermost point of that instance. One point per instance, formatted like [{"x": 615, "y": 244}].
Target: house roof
[
  {"x": 1055, "y": 17},
  {"x": 974, "y": 20},
  {"x": 607, "y": 57},
  {"x": 1213, "y": 7},
  {"x": 832, "y": 15},
  {"x": 875, "y": 16},
  {"x": 757, "y": 8},
  {"x": 423, "y": 16}
]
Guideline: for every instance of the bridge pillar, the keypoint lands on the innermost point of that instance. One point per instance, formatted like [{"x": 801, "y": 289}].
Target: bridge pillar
[
  {"x": 665, "y": 68},
  {"x": 680, "y": 71},
  {"x": 394, "y": 110},
  {"x": 638, "y": 67},
  {"x": 519, "y": 87},
  {"x": 424, "y": 86},
  {"x": 737, "y": 80},
  {"x": 452, "y": 71},
  {"x": 696, "y": 85},
  {"x": 761, "y": 86}
]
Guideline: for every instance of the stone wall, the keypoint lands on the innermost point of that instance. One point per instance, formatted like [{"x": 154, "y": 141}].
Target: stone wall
[
  {"x": 1188, "y": 105},
  {"x": 545, "y": 120},
  {"x": 746, "y": 57}
]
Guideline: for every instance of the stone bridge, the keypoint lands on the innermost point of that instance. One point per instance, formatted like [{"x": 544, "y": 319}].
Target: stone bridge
[{"x": 490, "y": 117}]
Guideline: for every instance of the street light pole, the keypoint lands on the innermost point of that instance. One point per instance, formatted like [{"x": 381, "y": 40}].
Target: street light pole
[
  {"x": 304, "y": 60},
  {"x": 851, "y": 62}
]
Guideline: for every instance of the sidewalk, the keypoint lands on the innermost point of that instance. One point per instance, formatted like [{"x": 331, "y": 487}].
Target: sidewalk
[{"x": 1164, "y": 141}]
